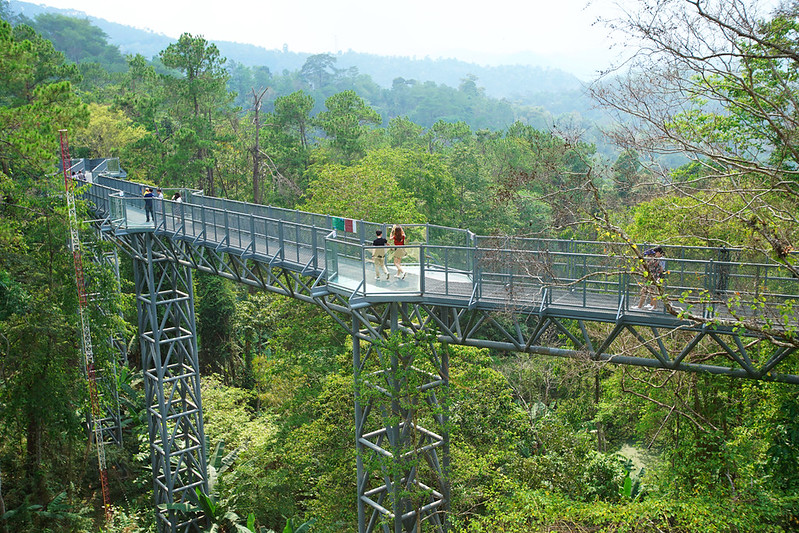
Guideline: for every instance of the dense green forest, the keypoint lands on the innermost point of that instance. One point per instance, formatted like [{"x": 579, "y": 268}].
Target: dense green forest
[{"x": 537, "y": 443}]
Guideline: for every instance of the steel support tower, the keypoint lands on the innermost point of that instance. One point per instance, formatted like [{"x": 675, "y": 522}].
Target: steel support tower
[
  {"x": 401, "y": 424},
  {"x": 168, "y": 339}
]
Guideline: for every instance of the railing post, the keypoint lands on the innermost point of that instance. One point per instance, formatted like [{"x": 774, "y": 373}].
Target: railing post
[
  {"x": 422, "y": 256},
  {"x": 182, "y": 215},
  {"x": 314, "y": 249},
  {"x": 710, "y": 275},
  {"x": 446, "y": 271},
  {"x": 363, "y": 267},
  {"x": 585, "y": 281},
  {"x": 252, "y": 232},
  {"x": 202, "y": 220},
  {"x": 280, "y": 239},
  {"x": 227, "y": 228},
  {"x": 623, "y": 291},
  {"x": 476, "y": 273}
]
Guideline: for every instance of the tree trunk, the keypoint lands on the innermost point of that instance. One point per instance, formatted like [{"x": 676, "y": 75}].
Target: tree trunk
[
  {"x": 256, "y": 153},
  {"x": 2, "y": 502},
  {"x": 33, "y": 459}
]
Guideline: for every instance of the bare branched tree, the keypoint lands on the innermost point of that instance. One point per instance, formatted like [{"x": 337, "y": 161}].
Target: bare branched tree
[{"x": 716, "y": 82}]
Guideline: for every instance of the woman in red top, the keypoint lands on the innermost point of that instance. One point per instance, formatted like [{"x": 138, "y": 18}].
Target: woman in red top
[{"x": 399, "y": 240}]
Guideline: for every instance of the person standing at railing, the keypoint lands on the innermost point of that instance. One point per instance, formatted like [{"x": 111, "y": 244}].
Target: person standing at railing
[
  {"x": 656, "y": 267},
  {"x": 379, "y": 255},
  {"x": 398, "y": 236},
  {"x": 177, "y": 207},
  {"x": 148, "y": 204},
  {"x": 159, "y": 204}
]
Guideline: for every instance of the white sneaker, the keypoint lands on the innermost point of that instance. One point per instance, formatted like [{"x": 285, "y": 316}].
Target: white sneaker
[
  {"x": 635, "y": 307},
  {"x": 649, "y": 307}
]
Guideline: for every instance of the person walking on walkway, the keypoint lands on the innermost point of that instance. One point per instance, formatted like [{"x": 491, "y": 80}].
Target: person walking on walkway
[
  {"x": 379, "y": 255},
  {"x": 398, "y": 236}
]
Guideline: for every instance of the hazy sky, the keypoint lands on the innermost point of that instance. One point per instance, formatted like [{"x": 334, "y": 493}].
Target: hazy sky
[{"x": 561, "y": 32}]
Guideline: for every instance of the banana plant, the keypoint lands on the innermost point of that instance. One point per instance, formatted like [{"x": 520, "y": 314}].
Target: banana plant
[
  {"x": 302, "y": 528},
  {"x": 221, "y": 519},
  {"x": 630, "y": 488}
]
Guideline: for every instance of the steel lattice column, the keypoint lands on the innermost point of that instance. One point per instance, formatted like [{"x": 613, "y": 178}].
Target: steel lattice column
[
  {"x": 167, "y": 334},
  {"x": 111, "y": 422},
  {"x": 402, "y": 466}
]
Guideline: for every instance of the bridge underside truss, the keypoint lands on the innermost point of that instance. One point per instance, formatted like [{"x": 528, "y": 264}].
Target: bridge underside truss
[
  {"x": 701, "y": 349},
  {"x": 400, "y": 418}
]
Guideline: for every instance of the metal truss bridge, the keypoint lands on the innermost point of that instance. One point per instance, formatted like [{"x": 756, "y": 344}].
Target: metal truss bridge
[{"x": 727, "y": 311}]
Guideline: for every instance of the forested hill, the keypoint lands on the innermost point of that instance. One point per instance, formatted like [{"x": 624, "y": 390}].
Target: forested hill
[{"x": 517, "y": 82}]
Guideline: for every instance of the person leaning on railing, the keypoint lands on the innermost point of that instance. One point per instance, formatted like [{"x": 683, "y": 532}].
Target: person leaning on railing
[{"x": 656, "y": 266}]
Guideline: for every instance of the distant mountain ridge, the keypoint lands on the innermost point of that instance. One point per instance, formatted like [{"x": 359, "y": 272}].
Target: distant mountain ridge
[{"x": 516, "y": 82}]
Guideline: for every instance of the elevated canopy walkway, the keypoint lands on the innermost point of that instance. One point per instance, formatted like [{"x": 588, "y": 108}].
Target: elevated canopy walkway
[
  {"x": 732, "y": 307},
  {"x": 456, "y": 268}
]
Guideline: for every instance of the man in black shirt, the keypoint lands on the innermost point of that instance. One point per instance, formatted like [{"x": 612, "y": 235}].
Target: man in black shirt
[
  {"x": 148, "y": 203},
  {"x": 379, "y": 255}
]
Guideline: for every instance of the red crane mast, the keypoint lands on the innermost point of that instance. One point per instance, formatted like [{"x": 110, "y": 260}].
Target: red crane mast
[{"x": 86, "y": 337}]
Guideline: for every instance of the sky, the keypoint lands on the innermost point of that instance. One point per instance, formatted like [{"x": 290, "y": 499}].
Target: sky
[{"x": 557, "y": 33}]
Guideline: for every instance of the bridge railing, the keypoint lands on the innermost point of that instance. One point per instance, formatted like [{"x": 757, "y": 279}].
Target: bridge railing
[
  {"x": 616, "y": 281},
  {"x": 129, "y": 212},
  {"x": 264, "y": 211},
  {"x": 250, "y": 235},
  {"x": 130, "y": 188},
  {"x": 450, "y": 263}
]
